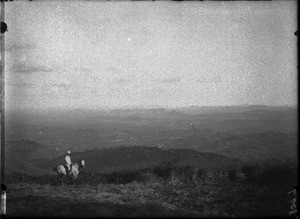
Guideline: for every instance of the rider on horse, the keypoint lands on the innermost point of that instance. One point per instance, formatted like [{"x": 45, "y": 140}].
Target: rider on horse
[
  {"x": 69, "y": 168},
  {"x": 68, "y": 162}
]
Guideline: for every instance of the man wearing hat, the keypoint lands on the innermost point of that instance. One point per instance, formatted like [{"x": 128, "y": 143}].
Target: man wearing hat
[{"x": 68, "y": 162}]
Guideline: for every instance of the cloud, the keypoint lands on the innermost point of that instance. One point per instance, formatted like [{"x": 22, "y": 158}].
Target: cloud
[
  {"x": 84, "y": 69},
  {"x": 170, "y": 80},
  {"x": 13, "y": 47},
  {"x": 27, "y": 69},
  {"x": 123, "y": 81},
  {"x": 211, "y": 79},
  {"x": 21, "y": 84},
  {"x": 63, "y": 85},
  {"x": 112, "y": 69},
  {"x": 21, "y": 59}
]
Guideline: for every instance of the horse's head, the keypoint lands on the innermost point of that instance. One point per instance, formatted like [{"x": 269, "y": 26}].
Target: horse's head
[{"x": 82, "y": 163}]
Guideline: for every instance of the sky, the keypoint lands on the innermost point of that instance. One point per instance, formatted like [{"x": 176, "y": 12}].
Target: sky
[{"x": 95, "y": 55}]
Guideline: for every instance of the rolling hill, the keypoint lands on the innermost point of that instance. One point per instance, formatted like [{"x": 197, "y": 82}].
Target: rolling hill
[
  {"x": 136, "y": 157},
  {"x": 237, "y": 132},
  {"x": 244, "y": 146},
  {"x": 30, "y": 157},
  {"x": 25, "y": 155}
]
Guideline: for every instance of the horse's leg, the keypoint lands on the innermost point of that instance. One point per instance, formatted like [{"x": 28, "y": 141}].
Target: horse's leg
[
  {"x": 58, "y": 177},
  {"x": 61, "y": 179},
  {"x": 73, "y": 180}
]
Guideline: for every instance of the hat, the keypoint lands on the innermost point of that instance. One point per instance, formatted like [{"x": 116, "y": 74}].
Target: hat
[{"x": 69, "y": 152}]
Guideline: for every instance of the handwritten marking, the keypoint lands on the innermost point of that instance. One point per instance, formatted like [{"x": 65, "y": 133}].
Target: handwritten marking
[{"x": 293, "y": 202}]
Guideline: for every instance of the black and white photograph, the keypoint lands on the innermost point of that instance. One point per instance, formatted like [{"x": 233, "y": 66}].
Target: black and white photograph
[{"x": 149, "y": 109}]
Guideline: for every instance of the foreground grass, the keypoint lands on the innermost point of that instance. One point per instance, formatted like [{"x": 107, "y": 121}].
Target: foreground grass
[
  {"x": 166, "y": 190},
  {"x": 130, "y": 200}
]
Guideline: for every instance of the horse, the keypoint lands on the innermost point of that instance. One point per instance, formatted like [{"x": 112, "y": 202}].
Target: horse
[{"x": 62, "y": 171}]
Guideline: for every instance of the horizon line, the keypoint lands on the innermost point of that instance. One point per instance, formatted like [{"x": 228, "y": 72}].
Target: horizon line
[{"x": 106, "y": 108}]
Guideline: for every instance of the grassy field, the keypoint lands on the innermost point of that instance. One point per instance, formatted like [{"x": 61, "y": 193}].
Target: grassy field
[{"x": 165, "y": 190}]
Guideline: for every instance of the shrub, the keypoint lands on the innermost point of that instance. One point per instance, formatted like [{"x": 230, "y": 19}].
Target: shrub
[
  {"x": 269, "y": 172},
  {"x": 232, "y": 174},
  {"x": 260, "y": 173}
]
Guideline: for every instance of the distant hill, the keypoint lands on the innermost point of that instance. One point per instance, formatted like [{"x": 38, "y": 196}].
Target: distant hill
[
  {"x": 204, "y": 151},
  {"x": 81, "y": 116},
  {"x": 24, "y": 155},
  {"x": 30, "y": 157},
  {"x": 30, "y": 150},
  {"x": 245, "y": 146},
  {"x": 231, "y": 109},
  {"x": 245, "y": 132}
]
